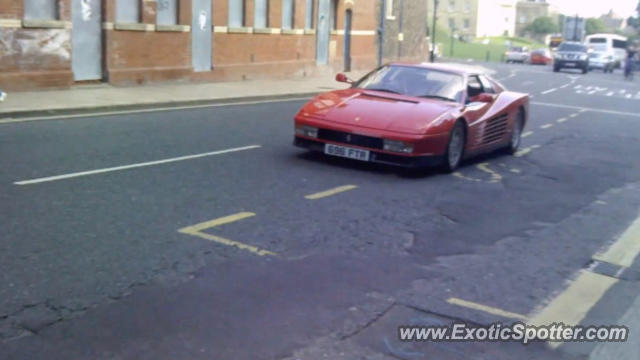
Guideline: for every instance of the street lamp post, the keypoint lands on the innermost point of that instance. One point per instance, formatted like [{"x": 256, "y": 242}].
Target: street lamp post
[{"x": 432, "y": 56}]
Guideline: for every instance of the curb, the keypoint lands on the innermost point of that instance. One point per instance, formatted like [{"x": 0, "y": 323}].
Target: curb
[{"x": 20, "y": 114}]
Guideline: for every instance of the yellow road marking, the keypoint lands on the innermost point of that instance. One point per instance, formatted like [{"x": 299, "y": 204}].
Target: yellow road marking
[
  {"x": 561, "y": 120},
  {"x": 196, "y": 230},
  {"x": 495, "y": 177},
  {"x": 460, "y": 176},
  {"x": 573, "y": 304},
  {"x": 485, "y": 308},
  {"x": 527, "y": 150},
  {"x": 625, "y": 249},
  {"x": 546, "y": 126},
  {"x": 330, "y": 192},
  {"x": 220, "y": 221},
  {"x": 527, "y": 133}
]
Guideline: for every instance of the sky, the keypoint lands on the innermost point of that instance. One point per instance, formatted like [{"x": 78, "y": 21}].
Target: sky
[{"x": 595, "y": 8}]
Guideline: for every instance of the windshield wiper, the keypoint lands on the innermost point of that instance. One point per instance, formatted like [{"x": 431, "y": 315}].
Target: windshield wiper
[
  {"x": 385, "y": 90},
  {"x": 437, "y": 97}
]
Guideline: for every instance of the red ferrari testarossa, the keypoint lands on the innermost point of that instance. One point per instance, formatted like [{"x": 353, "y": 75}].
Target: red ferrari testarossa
[{"x": 414, "y": 115}]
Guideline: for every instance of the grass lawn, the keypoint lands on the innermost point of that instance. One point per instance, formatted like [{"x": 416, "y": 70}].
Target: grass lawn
[{"x": 477, "y": 50}]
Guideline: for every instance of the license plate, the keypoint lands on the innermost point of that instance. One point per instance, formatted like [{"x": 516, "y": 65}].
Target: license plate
[
  {"x": 346, "y": 152},
  {"x": 570, "y": 64}
]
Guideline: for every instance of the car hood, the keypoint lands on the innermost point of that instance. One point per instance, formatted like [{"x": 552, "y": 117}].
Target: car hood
[{"x": 377, "y": 110}]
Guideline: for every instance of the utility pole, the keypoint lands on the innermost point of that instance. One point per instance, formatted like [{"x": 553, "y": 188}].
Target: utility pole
[
  {"x": 432, "y": 56},
  {"x": 383, "y": 9}
]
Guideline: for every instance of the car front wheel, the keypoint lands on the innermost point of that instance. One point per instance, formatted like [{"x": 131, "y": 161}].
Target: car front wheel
[{"x": 455, "y": 148}]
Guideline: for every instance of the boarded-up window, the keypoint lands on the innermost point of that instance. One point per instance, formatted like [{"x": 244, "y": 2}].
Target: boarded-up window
[
  {"x": 127, "y": 11},
  {"x": 167, "y": 12},
  {"x": 236, "y": 13},
  {"x": 40, "y": 10},
  {"x": 260, "y": 14},
  {"x": 308, "y": 21},
  {"x": 287, "y": 14}
]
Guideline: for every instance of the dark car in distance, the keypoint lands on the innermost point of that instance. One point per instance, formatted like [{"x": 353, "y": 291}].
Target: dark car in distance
[{"x": 571, "y": 55}]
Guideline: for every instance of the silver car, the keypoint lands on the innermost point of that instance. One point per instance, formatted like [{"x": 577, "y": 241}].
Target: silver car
[{"x": 519, "y": 54}]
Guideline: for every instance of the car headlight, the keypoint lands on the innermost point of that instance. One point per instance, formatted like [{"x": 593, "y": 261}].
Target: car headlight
[
  {"x": 398, "y": 146},
  {"x": 308, "y": 131},
  {"x": 583, "y": 57}
]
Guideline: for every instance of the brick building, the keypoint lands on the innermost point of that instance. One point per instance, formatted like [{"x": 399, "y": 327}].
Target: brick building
[
  {"x": 57, "y": 43},
  {"x": 405, "y": 30}
]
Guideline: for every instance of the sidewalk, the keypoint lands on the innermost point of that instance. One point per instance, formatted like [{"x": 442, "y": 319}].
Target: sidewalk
[{"x": 104, "y": 97}]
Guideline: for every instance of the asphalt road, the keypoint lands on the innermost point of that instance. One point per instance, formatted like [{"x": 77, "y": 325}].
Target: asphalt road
[{"x": 109, "y": 265}]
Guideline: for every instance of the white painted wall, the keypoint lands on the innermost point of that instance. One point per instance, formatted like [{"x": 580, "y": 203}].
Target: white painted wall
[{"x": 495, "y": 17}]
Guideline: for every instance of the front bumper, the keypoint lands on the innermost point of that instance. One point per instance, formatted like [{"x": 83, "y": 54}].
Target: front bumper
[
  {"x": 571, "y": 64},
  {"x": 376, "y": 156}
]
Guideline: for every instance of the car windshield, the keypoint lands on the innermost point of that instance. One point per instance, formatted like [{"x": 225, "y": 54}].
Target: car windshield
[
  {"x": 414, "y": 81},
  {"x": 572, "y": 47}
]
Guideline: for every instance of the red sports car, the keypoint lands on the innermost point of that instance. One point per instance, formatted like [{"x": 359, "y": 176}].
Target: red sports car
[
  {"x": 414, "y": 115},
  {"x": 541, "y": 57}
]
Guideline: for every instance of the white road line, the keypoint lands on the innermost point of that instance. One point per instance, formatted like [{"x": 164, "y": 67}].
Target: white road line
[
  {"x": 546, "y": 126},
  {"x": 132, "y": 166},
  {"x": 592, "y": 92},
  {"x": 548, "y": 91},
  {"x": 564, "y": 86},
  {"x": 561, "y": 120},
  {"x": 142, "y": 111},
  {"x": 628, "y": 96},
  {"x": 613, "y": 112},
  {"x": 610, "y": 93}
]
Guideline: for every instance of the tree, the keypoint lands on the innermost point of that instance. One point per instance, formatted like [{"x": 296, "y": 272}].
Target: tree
[
  {"x": 595, "y": 26},
  {"x": 543, "y": 25}
]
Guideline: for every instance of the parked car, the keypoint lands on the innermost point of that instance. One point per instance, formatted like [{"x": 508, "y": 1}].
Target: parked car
[
  {"x": 601, "y": 60},
  {"x": 414, "y": 115},
  {"x": 541, "y": 57},
  {"x": 519, "y": 54},
  {"x": 571, "y": 55}
]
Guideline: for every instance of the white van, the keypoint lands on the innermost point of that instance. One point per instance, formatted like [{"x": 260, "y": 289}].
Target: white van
[{"x": 609, "y": 43}]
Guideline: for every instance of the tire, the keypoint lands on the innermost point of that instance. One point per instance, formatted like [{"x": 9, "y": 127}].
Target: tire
[
  {"x": 455, "y": 147},
  {"x": 516, "y": 134},
  {"x": 556, "y": 68},
  {"x": 585, "y": 70}
]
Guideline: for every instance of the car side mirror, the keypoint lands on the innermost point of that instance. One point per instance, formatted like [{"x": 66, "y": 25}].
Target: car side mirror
[
  {"x": 483, "y": 98},
  {"x": 340, "y": 77}
]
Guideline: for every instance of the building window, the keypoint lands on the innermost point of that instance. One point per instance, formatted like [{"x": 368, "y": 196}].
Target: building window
[
  {"x": 452, "y": 23},
  {"x": 167, "y": 12},
  {"x": 467, "y": 6},
  {"x": 260, "y": 14},
  {"x": 389, "y": 10},
  {"x": 287, "y": 14},
  {"x": 452, "y": 5},
  {"x": 127, "y": 11},
  {"x": 308, "y": 21},
  {"x": 236, "y": 13},
  {"x": 466, "y": 24},
  {"x": 41, "y": 9}
]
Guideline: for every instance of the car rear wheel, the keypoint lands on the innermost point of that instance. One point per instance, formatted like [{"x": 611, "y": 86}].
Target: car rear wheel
[
  {"x": 516, "y": 134},
  {"x": 556, "y": 68},
  {"x": 455, "y": 148}
]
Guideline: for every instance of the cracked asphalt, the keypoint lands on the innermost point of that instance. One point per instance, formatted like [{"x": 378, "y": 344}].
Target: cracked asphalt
[{"x": 94, "y": 267}]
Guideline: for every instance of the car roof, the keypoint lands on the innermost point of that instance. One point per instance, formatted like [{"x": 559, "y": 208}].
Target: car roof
[{"x": 454, "y": 68}]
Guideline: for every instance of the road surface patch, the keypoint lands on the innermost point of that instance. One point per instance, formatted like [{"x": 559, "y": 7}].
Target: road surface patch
[
  {"x": 485, "y": 308},
  {"x": 330, "y": 192},
  {"x": 133, "y": 166},
  {"x": 625, "y": 249},
  {"x": 197, "y": 230},
  {"x": 572, "y": 305}
]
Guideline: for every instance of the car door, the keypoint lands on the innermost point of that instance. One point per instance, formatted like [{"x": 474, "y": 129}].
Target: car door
[{"x": 475, "y": 113}]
